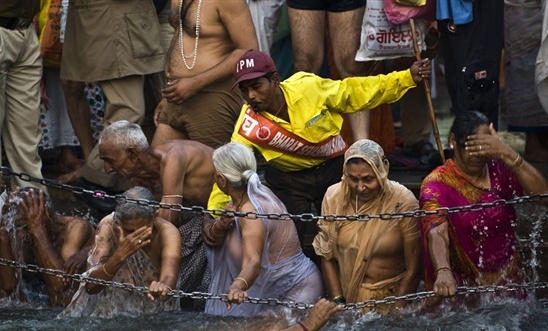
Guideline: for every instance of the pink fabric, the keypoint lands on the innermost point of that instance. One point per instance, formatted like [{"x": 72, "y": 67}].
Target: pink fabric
[
  {"x": 482, "y": 243},
  {"x": 399, "y": 14}
]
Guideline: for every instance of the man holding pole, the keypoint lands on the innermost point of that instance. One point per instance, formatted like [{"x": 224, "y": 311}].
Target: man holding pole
[{"x": 296, "y": 124}]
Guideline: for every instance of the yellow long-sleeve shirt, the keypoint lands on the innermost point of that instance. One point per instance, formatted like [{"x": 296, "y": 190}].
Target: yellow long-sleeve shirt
[{"x": 314, "y": 106}]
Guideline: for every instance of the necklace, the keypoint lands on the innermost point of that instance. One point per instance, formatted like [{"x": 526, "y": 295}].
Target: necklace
[
  {"x": 280, "y": 109},
  {"x": 261, "y": 126},
  {"x": 194, "y": 54}
]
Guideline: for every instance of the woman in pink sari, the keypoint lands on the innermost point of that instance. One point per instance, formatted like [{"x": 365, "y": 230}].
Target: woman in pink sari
[{"x": 477, "y": 247}]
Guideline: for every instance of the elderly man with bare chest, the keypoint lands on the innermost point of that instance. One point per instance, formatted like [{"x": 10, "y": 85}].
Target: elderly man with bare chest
[
  {"x": 200, "y": 102},
  {"x": 177, "y": 172}
]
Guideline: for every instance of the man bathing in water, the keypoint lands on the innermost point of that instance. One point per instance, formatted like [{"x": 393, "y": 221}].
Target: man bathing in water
[
  {"x": 200, "y": 102},
  {"x": 30, "y": 226}
]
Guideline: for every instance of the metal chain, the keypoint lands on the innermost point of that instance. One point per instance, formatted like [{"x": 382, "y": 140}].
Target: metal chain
[
  {"x": 306, "y": 217},
  {"x": 461, "y": 290},
  {"x": 389, "y": 300}
]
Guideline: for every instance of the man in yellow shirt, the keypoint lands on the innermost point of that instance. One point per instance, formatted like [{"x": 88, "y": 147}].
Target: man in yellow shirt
[{"x": 296, "y": 124}]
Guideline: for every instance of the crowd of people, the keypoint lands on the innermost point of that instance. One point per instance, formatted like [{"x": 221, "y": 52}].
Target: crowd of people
[{"x": 189, "y": 124}]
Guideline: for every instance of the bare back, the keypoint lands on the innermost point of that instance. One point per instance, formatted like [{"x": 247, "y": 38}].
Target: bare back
[{"x": 186, "y": 169}]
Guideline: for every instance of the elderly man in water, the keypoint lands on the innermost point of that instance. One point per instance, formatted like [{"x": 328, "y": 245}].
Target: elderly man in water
[
  {"x": 32, "y": 232},
  {"x": 131, "y": 246}
]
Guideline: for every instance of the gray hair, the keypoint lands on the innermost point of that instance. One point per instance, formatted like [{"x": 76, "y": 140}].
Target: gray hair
[
  {"x": 125, "y": 135},
  {"x": 235, "y": 162},
  {"x": 128, "y": 210}
]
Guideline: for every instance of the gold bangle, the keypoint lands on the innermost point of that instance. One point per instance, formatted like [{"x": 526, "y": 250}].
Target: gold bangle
[
  {"x": 106, "y": 272},
  {"x": 337, "y": 297},
  {"x": 515, "y": 161},
  {"x": 443, "y": 268},
  {"x": 521, "y": 162},
  {"x": 172, "y": 196},
  {"x": 243, "y": 280}
]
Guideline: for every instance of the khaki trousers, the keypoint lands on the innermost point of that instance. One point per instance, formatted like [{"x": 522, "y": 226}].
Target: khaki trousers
[
  {"x": 124, "y": 101},
  {"x": 20, "y": 74}
]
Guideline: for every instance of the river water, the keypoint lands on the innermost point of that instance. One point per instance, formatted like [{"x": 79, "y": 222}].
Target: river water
[
  {"x": 500, "y": 314},
  {"x": 492, "y": 314}
]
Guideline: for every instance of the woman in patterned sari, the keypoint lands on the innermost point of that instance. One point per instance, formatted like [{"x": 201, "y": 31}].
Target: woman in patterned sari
[{"x": 477, "y": 247}]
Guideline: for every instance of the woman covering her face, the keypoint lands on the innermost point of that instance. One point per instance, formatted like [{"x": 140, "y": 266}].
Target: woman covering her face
[{"x": 477, "y": 247}]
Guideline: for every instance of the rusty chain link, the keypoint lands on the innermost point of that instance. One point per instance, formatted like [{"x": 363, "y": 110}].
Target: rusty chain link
[
  {"x": 307, "y": 217},
  {"x": 389, "y": 300}
]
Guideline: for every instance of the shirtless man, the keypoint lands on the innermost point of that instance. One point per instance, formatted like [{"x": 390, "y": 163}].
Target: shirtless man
[
  {"x": 45, "y": 238},
  {"x": 200, "y": 102},
  {"x": 177, "y": 172}
]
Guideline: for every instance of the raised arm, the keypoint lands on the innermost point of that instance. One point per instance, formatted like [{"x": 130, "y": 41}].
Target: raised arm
[
  {"x": 355, "y": 94},
  {"x": 107, "y": 264},
  {"x": 37, "y": 217},
  {"x": 490, "y": 145}
]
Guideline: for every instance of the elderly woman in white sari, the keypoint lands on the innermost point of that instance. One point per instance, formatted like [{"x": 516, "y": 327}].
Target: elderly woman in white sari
[
  {"x": 254, "y": 257},
  {"x": 364, "y": 260}
]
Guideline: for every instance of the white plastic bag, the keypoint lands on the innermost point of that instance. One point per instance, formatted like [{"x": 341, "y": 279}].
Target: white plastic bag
[{"x": 382, "y": 40}]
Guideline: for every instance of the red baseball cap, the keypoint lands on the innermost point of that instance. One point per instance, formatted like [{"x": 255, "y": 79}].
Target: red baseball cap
[{"x": 253, "y": 64}]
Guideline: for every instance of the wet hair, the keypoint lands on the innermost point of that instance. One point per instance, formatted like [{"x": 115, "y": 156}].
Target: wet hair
[
  {"x": 125, "y": 135},
  {"x": 35, "y": 194},
  {"x": 126, "y": 211},
  {"x": 364, "y": 149},
  {"x": 235, "y": 162},
  {"x": 466, "y": 123}
]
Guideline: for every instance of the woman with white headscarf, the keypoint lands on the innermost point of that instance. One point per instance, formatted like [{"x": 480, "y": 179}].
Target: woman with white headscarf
[
  {"x": 249, "y": 256},
  {"x": 373, "y": 259}
]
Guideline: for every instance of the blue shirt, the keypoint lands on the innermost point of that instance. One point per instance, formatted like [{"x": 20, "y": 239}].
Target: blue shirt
[{"x": 460, "y": 11}]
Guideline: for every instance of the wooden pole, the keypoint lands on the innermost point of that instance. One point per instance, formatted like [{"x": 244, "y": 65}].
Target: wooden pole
[{"x": 428, "y": 94}]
